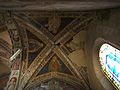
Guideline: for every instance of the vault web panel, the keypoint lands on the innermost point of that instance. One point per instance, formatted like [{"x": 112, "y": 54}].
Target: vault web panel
[
  {"x": 55, "y": 65},
  {"x": 35, "y": 47},
  {"x": 54, "y": 24}
]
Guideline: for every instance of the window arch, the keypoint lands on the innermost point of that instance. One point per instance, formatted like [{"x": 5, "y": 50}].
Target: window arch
[{"x": 109, "y": 58}]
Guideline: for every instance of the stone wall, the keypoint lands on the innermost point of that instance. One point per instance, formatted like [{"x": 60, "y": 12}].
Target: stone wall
[{"x": 100, "y": 31}]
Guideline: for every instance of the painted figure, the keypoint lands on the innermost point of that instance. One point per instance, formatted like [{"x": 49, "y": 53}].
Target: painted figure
[
  {"x": 12, "y": 83},
  {"x": 53, "y": 24},
  {"x": 15, "y": 36},
  {"x": 54, "y": 65}
]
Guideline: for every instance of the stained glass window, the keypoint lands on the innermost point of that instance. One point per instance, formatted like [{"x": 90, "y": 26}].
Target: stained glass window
[{"x": 109, "y": 58}]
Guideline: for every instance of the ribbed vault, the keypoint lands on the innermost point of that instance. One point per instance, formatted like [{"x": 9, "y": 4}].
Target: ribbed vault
[{"x": 49, "y": 40}]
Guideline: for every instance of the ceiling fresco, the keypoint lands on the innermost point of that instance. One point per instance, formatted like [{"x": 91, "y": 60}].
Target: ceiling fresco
[
  {"x": 48, "y": 36},
  {"x": 54, "y": 65},
  {"x": 35, "y": 46},
  {"x": 47, "y": 40}
]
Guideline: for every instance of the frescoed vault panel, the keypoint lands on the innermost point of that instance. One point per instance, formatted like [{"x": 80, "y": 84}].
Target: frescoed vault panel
[
  {"x": 76, "y": 42},
  {"x": 35, "y": 47},
  {"x": 55, "y": 85},
  {"x": 55, "y": 65},
  {"x": 54, "y": 24},
  {"x": 71, "y": 46}
]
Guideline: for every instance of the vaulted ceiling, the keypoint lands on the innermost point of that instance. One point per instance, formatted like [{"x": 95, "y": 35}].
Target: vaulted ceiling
[
  {"x": 49, "y": 41},
  {"x": 48, "y": 36},
  {"x": 52, "y": 42}
]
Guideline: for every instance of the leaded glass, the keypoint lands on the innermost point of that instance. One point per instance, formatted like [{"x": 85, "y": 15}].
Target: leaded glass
[{"x": 109, "y": 58}]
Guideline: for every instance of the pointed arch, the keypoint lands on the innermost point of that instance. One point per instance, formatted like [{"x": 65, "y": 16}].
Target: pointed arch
[
  {"x": 55, "y": 75},
  {"x": 97, "y": 69}
]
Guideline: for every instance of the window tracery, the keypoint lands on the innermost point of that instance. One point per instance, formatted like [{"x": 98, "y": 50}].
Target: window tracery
[{"x": 109, "y": 58}]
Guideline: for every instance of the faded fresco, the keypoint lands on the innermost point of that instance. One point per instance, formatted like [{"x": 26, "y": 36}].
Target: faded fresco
[
  {"x": 35, "y": 47},
  {"x": 55, "y": 85},
  {"x": 55, "y": 65},
  {"x": 49, "y": 38}
]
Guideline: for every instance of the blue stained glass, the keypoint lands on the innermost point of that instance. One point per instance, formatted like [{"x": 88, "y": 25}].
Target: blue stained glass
[{"x": 109, "y": 58}]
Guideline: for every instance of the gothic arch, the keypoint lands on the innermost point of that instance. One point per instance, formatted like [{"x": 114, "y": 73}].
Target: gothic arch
[
  {"x": 55, "y": 75},
  {"x": 17, "y": 39},
  {"x": 100, "y": 77}
]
